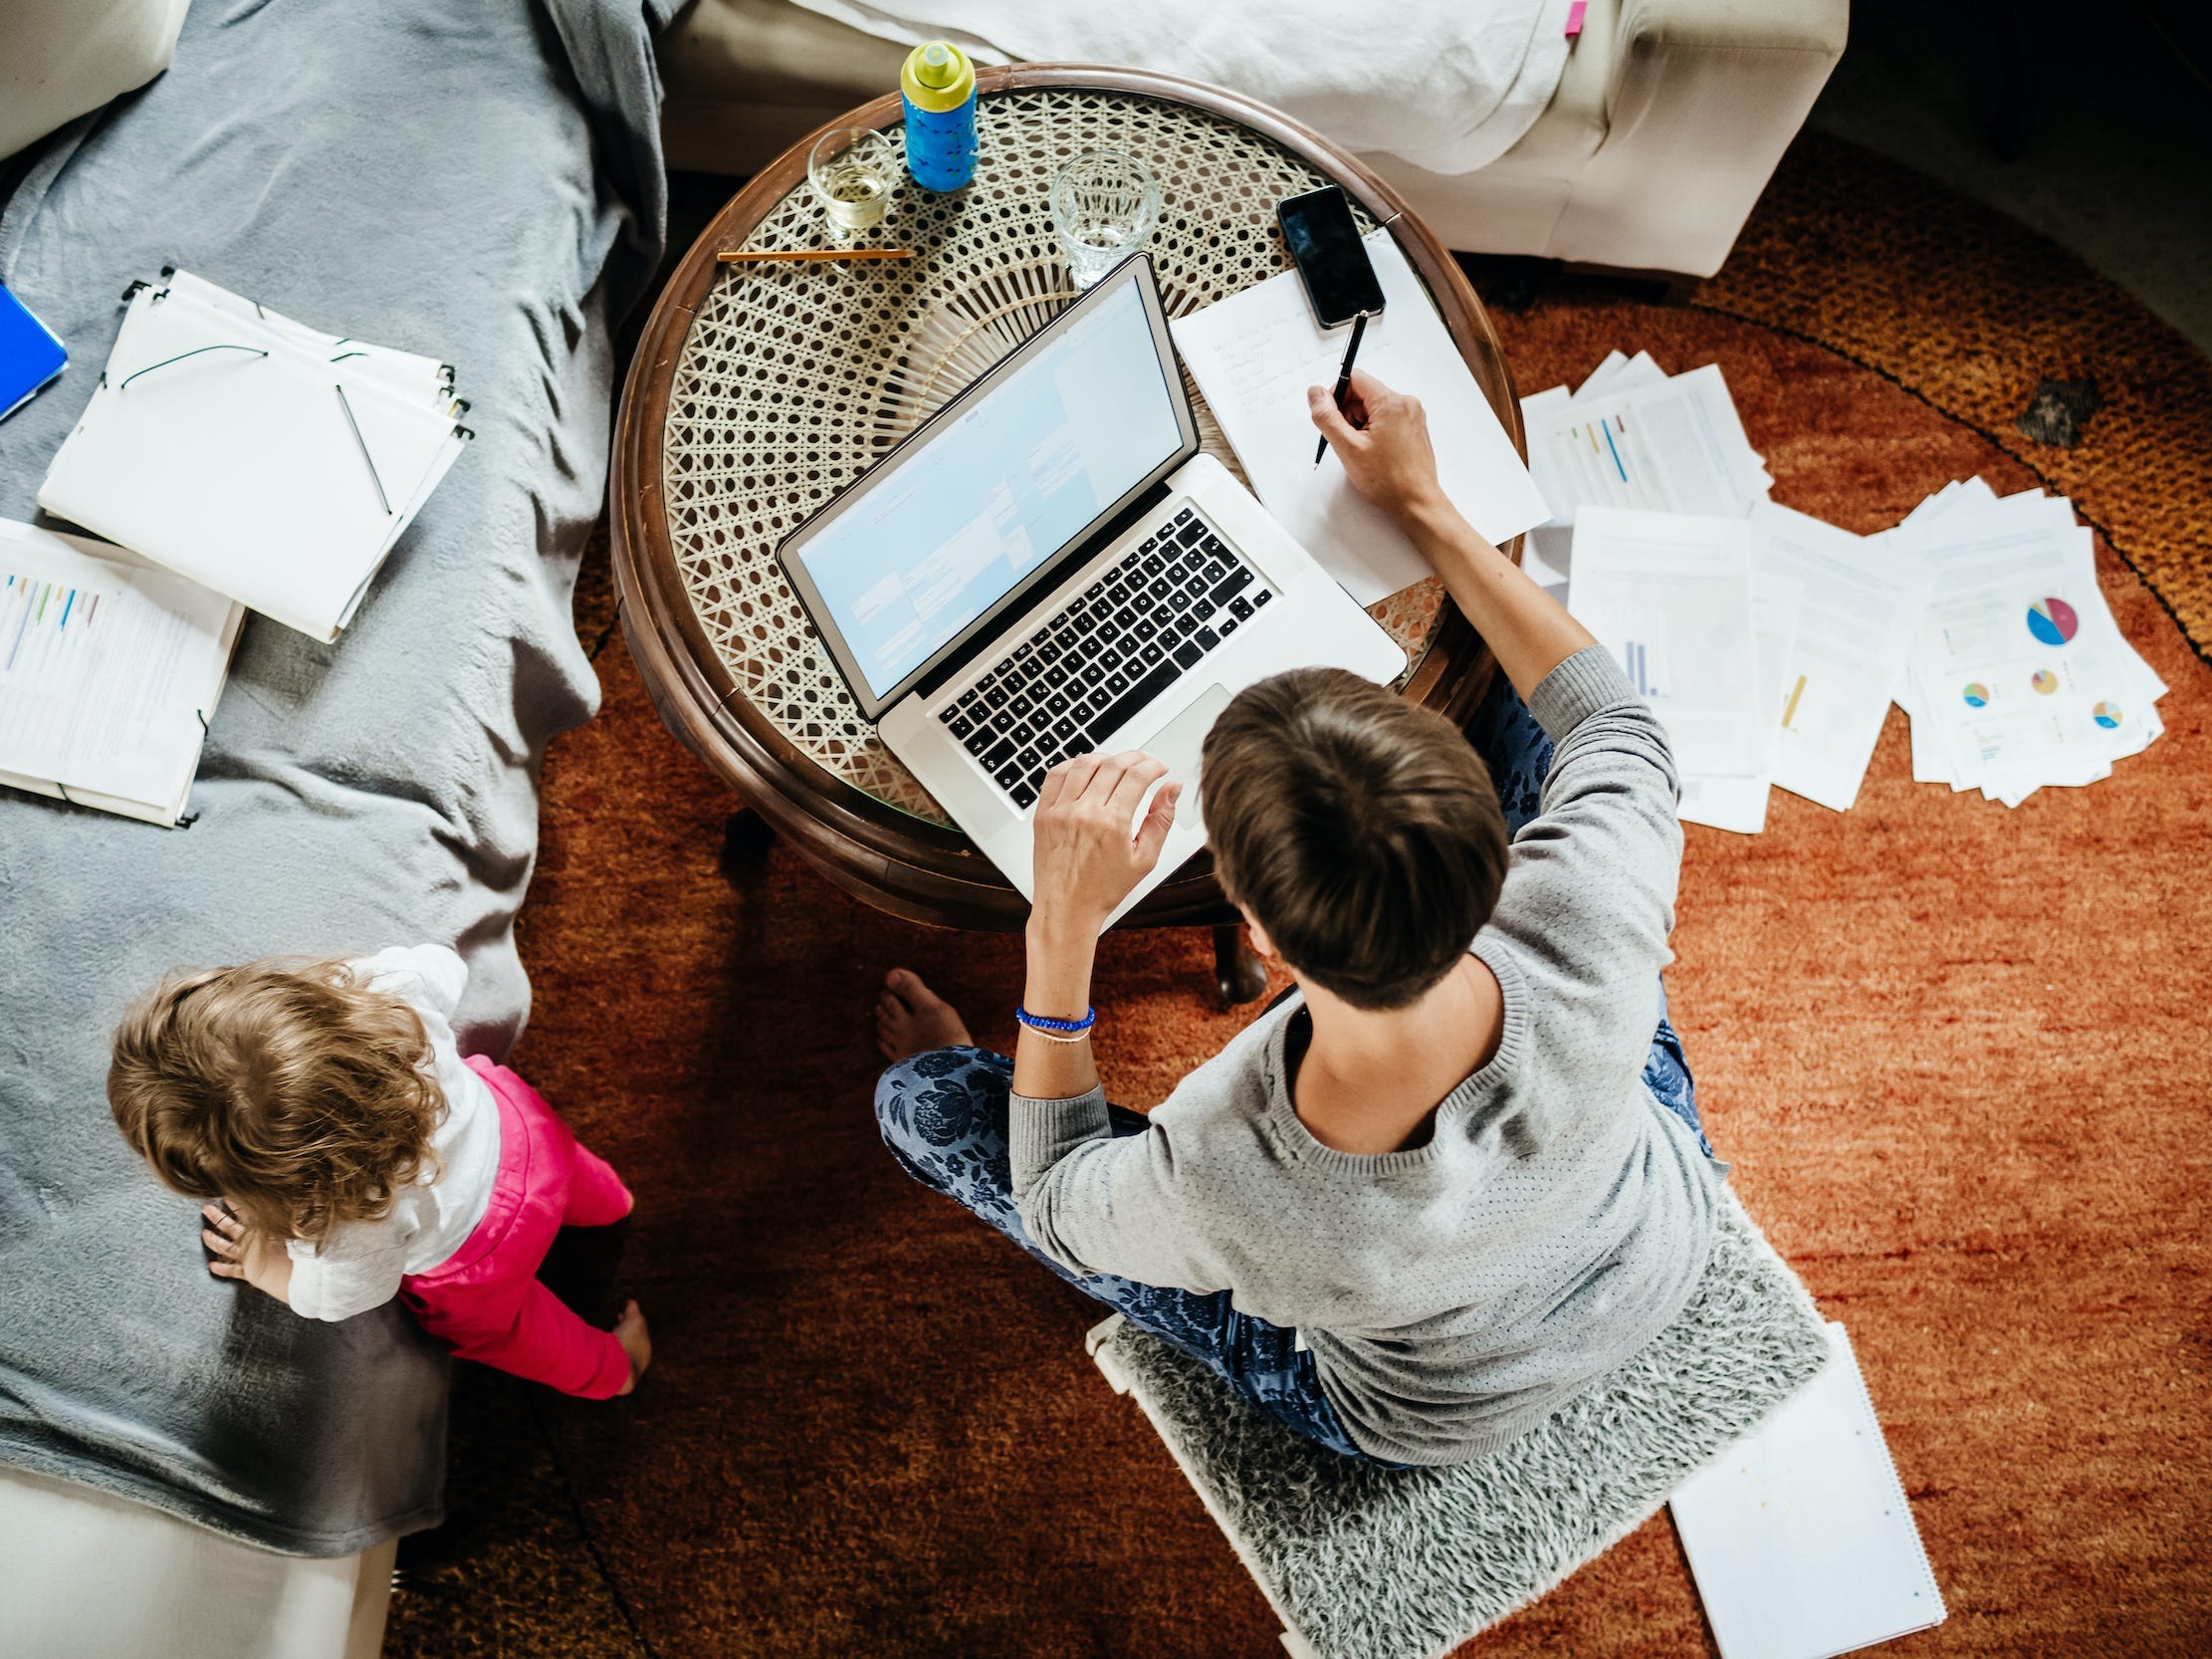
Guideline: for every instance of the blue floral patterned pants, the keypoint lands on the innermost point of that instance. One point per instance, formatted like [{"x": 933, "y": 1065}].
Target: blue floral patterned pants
[{"x": 944, "y": 1116}]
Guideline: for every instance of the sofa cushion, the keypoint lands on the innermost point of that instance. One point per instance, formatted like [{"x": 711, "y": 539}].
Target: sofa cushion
[
  {"x": 745, "y": 77},
  {"x": 1574, "y": 123},
  {"x": 65, "y": 57},
  {"x": 771, "y": 52}
]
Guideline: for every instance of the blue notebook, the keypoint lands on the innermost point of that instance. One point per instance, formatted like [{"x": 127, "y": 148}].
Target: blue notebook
[{"x": 30, "y": 356}]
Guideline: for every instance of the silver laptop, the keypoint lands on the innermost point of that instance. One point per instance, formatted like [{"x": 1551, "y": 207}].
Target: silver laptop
[{"x": 1049, "y": 567}]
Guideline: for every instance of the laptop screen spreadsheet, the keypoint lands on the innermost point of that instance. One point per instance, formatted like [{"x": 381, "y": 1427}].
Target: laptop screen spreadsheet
[{"x": 1003, "y": 489}]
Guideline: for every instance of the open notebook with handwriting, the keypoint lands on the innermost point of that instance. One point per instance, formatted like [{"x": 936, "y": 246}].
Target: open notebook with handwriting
[{"x": 259, "y": 457}]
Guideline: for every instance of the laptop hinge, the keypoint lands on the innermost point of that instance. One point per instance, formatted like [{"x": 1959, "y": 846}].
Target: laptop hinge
[{"x": 1064, "y": 566}]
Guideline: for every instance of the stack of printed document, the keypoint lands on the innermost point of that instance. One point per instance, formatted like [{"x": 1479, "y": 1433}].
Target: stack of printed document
[
  {"x": 1771, "y": 644},
  {"x": 2019, "y": 677},
  {"x": 108, "y": 674},
  {"x": 1768, "y": 645},
  {"x": 259, "y": 457},
  {"x": 1633, "y": 436}
]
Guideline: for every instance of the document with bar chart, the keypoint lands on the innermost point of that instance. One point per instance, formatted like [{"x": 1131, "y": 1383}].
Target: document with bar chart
[
  {"x": 1862, "y": 606},
  {"x": 1670, "y": 596},
  {"x": 110, "y": 670},
  {"x": 1673, "y": 446}
]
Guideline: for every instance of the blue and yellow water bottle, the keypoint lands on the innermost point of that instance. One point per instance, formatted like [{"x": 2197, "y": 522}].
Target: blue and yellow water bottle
[{"x": 938, "y": 85}]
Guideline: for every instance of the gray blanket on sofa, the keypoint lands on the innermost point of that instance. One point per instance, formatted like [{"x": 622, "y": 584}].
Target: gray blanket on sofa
[{"x": 480, "y": 182}]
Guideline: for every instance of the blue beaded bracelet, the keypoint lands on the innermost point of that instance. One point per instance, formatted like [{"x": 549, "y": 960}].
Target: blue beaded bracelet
[{"x": 1056, "y": 1028}]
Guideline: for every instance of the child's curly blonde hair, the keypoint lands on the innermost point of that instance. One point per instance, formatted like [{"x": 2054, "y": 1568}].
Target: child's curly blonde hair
[{"x": 304, "y": 1097}]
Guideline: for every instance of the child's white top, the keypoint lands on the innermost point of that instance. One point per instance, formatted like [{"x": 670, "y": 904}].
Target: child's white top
[{"x": 361, "y": 1265}]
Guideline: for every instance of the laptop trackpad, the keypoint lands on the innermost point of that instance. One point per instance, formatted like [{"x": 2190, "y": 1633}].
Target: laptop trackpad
[{"x": 1179, "y": 742}]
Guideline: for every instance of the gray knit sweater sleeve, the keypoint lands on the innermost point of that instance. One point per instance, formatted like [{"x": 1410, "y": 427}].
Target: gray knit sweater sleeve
[
  {"x": 1096, "y": 1204},
  {"x": 1589, "y": 897}
]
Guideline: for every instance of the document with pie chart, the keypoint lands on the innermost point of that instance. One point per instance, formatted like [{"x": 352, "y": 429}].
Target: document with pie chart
[{"x": 2019, "y": 668}]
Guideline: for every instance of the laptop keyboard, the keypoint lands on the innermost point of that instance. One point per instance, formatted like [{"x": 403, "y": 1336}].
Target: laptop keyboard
[{"x": 1142, "y": 623}]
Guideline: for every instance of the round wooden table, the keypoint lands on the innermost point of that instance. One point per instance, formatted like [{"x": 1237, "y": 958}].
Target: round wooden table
[{"x": 759, "y": 390}]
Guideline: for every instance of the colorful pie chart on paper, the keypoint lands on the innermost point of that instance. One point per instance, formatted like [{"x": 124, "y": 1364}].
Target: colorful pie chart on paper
[
  {"x": 2045, "y": 682},
  {"x": 1977, "y": 695},
  {"x": 2052, "y": 621},
  {"x": 2106, "y": 715}
]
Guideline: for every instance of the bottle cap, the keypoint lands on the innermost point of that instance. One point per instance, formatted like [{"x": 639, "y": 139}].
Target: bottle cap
[{"x": 938, "y": 77}]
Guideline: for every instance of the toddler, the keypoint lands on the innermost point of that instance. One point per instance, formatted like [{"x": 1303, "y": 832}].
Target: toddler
[{"x": 356, "y": 1156}]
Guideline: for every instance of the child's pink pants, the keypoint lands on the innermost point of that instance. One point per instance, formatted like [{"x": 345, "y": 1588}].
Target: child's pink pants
[{"x": 487, "y": 1304}]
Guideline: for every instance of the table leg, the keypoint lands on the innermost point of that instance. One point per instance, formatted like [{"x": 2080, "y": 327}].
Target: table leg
[
  {"x": 745, "y": 840},
  {"x": 1237, "y": 973}
]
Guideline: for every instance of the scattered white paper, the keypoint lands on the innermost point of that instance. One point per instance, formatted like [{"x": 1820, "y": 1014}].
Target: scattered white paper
[
  {"x": 1254, "y": 355},
  {"x": 1979, "y": 615},
  {"x": 1669, "y": 595},
  {"x": 1862, "y": 606},
  {"x": 1740, "y": 804},
  {"x": 1686, "y": 453},
  {"x": 1671, "y": 445},
  {"x": 2019, "y": 678},
  {"x": 1800, "y": 1536},
  {"x": 1619, "y": 373}
]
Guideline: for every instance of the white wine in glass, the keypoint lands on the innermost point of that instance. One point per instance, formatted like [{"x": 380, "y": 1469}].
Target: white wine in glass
[{"x": 852, "y": 171}]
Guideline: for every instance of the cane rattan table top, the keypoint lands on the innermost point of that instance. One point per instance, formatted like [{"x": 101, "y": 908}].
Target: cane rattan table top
[{"x": 792, "y": 378}]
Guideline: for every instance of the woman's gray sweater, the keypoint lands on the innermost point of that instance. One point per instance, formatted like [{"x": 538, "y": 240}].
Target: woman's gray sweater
[{"x": 1556, "y": 1219}]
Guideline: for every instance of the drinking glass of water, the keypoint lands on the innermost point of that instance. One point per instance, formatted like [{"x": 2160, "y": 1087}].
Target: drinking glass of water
[
  {"x": 1104, "y": 205},
  {"x": 852, "y": 171}
]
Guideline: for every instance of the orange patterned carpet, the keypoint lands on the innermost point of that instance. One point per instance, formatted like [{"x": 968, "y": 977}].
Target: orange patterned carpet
[{"x": 1956, "y": 1054}]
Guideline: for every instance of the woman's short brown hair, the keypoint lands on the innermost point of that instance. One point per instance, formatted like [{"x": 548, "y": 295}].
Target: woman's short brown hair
[
  {"x": 305, "y": 1099},
  {"x": 1361, "y": 831}
]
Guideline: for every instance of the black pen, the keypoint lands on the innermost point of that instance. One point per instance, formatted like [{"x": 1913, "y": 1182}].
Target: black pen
[{"x": 1343, "y": 378}]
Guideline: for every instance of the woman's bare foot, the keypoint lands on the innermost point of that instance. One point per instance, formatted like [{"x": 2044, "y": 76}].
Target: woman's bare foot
[
  {"x": 911, "y": 1019},
  {"x": 629, "y": 1330}
]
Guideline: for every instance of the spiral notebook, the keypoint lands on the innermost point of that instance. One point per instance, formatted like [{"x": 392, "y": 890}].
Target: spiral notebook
[{"x": 1800, "y": 1536}]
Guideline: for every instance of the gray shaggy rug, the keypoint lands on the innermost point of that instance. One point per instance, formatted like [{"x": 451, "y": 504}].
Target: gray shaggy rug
[{"x": 1363, "y": 1562}]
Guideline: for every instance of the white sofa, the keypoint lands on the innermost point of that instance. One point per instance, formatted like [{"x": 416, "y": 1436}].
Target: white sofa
[
  {"x": 1665, "y": 127},
  {"x": 91, "y": 1577}
]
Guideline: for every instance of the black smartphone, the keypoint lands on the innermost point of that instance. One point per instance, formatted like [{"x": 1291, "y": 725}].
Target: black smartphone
[{"x": 1325, "y": 245}]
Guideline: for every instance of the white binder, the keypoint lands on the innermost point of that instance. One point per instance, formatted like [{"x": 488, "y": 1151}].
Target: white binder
[{"x": 261, "y": 459}]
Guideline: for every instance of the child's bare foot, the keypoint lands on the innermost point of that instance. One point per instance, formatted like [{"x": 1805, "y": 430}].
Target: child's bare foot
[
  {"x": 911, "y": 1019},
  {"x": 629, "y": 1330}
]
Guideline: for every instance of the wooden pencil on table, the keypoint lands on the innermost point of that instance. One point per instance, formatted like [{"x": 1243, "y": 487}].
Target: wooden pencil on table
[{"x": 747, "y": 256}]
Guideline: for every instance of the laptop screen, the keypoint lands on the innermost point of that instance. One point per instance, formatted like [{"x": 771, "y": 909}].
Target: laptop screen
[{"x": 996, "y": 491}]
